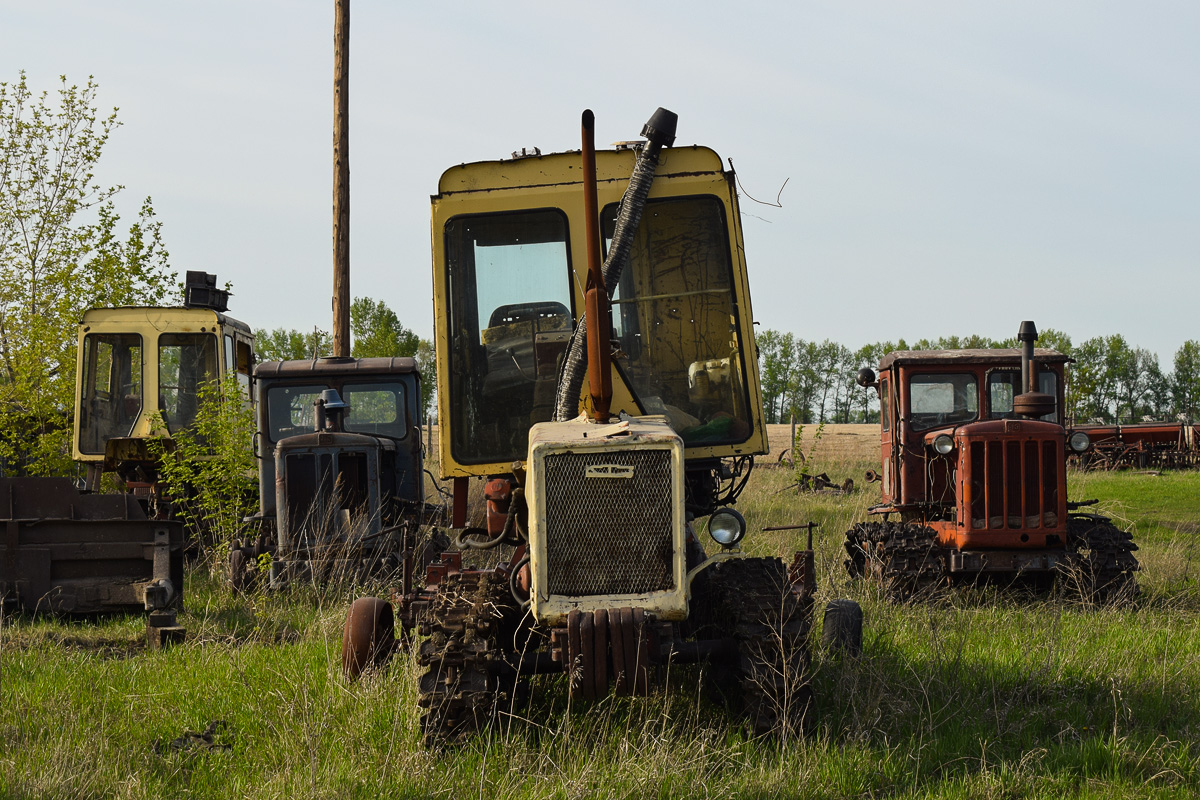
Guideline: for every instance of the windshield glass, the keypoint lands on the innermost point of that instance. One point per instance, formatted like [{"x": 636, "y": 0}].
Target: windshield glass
[
  {"x": 1004, "y": 385},
  {"x": 111, "y": 396},
  {"x": 376, "y": 408},
  {"x": 508, "y": 284},
  {"x": 290, "y": 409},
  {"x": 675, "y": 320},
  {"x": 185, "y": 361},
  {"x": 942, "y": 399}
]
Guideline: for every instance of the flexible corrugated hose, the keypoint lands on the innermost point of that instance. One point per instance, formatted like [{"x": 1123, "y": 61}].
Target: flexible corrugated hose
[{"x": 661, "y": 132}]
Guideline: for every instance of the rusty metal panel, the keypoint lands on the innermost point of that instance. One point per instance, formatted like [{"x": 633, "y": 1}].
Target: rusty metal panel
[
  {"x": 967, "y": 358},
  {"x": 64, "y": 551}
]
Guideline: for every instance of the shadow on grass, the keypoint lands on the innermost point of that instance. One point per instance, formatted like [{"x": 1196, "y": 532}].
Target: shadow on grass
[{"x": 944, "y": 710}]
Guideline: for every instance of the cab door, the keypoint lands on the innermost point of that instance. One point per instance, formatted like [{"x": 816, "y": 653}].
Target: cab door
[{"x": 887, "y": 432}]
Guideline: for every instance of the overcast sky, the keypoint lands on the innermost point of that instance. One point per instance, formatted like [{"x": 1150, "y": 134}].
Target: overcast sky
[{"x": 952, "y": 168}]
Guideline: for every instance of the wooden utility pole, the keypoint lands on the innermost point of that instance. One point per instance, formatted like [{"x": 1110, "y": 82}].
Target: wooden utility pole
[{"x": 341, "y": 178}]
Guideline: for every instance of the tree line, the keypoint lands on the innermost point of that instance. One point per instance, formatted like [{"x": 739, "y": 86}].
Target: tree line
[{"x": 1111, "y": 380}]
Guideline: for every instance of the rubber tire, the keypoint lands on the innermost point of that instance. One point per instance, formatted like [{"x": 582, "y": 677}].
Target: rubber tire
[
  {"x": 842, "y": 631},
  {"x": 368, "y": 637}
]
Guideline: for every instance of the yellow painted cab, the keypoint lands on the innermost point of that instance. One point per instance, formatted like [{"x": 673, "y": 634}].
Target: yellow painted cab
[{"x": 138, "y": 362}]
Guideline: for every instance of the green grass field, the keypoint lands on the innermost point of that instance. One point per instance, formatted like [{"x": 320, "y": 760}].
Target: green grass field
[{"x": 979, "y": 693}]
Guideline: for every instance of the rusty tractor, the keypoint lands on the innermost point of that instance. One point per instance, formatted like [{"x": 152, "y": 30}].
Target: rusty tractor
[
  {"x": 68, "y": 551},
  {"x": 1142, "y": 445},
  {"x": 974, "y": 478},
  {"x": 341, "y": 483},
  {"x": 586, "y": 560}
]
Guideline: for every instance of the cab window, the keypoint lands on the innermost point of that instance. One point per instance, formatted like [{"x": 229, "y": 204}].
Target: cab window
[
  {"x": 1005, "y": 384},
  {"x": 942, "y": 399},
  {"x": 290, "y": 409},
  {"x": 376, "y": 408},
  {"x": 186, "y": 361},
  {"x": 111, "y": 389},
  {"x": 675, "y": 320},
  {"x": 885, "y": 405},
  {"x": 509, "y": 294}
]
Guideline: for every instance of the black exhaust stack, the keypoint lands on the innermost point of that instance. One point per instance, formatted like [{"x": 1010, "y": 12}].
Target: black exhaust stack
[
  {"x": 1027, "y": 336},
  {"x": 1030, "y": 403}
]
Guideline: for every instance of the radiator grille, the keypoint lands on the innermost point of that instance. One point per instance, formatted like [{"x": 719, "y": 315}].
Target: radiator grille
[
  {"x": 1014, "y": 484},
  {"x": 608, "y": 535}
]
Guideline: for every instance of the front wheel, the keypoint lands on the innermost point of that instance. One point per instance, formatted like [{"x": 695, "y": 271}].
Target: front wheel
[
  {"x": 750, "y": 601},
  {"x": 843, "y": 628},
  {"x": 368, "y": 637}
]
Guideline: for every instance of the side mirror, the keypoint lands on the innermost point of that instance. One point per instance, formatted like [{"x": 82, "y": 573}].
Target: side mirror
[{"x": 865, "y": 377}]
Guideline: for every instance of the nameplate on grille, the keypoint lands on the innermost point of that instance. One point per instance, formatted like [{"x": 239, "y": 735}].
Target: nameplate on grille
[{"x": 622, "y": 471}]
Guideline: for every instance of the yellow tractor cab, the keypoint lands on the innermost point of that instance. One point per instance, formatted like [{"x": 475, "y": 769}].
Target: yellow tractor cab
[
  {"x": 510, "y": 260},
  {"x": 135, "y": 364}
]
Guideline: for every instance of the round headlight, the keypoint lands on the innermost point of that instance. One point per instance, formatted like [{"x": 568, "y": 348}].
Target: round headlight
[
  {"x": 726, "y": 527},
  {"x": 943, "y": 443},
  {"x": 1080, "y": 441}
]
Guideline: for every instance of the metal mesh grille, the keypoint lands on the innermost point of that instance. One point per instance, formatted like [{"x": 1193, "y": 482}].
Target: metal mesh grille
[{"x": 608, "y": 535}]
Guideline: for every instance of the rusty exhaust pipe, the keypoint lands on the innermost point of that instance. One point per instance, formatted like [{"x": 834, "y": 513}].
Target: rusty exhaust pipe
[
  {"x": 1027, "y": 335},
  {"x": 1031, "y": 403},
  {"x": 596, "y": 305}
]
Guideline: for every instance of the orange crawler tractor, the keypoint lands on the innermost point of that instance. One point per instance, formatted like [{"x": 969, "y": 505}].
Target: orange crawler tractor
[{"x": 974, "y": 477}]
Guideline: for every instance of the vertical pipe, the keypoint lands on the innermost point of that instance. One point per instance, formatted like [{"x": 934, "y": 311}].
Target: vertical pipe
[
  {"x": 596, "y": 298},
  {"x": 458, "y": 513},
  {"x": 341, "y": 178},
  {"x": 1027, "y": 335}
]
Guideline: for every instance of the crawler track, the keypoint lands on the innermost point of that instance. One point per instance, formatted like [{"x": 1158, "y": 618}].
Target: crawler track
[
  {"x": 902, "y": 557},
  {"x": 466, "y": 679},
  {"x": 1104, "y": 556},
  {"x": 906, "y": 560}
]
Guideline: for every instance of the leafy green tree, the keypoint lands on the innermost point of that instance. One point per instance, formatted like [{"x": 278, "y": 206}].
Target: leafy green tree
[
  {"x": 1134, "y": 373},
  {"x": 775, "y": 362},
  {"x": 1093, "y": 389},
  {"x": 830, "y": 366},
  {"x": 375, "y": 330},
  {"x": 282, "y": 344},
  {"x": 867, "y": 356},
  {"x": 1052, "y": 339},
  {"x": 427, "y": 361},
  {"x": 805, "y": 382},
  {"x": 60, "y": 253},
  {"x": 209, "y": 467},
  {"x": 1185, "y": 380}
]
